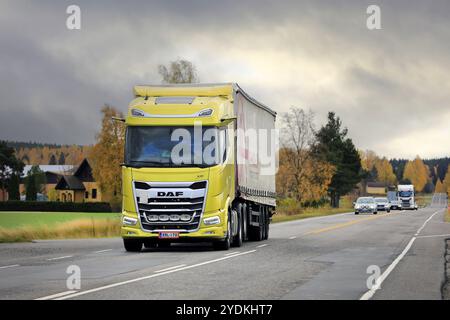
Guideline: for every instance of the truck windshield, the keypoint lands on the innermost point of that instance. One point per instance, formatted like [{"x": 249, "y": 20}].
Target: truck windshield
[
  {"x": 166, "y": 146},
  {"x": 405, "y": 193}
]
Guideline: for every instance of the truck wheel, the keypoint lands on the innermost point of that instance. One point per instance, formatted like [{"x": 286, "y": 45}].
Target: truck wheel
[
  {"x": 132, "y": 245},
  {"x": 163, "y": 244},
  {"x": 256, "y": 232},
  {"x": 244, "y": 222},
  {"x": 150, "y": 244},
  {"x": 237, "y": 239},
  {"x": 266, "y": 223},
  {"x": 224, "y": 244}
]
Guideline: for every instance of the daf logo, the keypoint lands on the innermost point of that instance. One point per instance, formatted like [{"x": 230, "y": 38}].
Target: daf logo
[{"x": 170, "y": 194}]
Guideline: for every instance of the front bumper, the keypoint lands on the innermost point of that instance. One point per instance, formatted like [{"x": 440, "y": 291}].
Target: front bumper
[
  {"x": 365, "y": 210},
  {"x": 204, "y": 232}
]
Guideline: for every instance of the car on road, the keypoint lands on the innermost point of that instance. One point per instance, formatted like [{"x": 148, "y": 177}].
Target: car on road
[
  {"x": 383, "y": 204},
  {"x": 395, "y": 204},
  {"x": 366, "y": 205}
]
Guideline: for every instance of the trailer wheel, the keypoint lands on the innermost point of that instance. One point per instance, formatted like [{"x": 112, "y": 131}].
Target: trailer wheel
[
  {"x": 226, "y": 243},
  {"x": 257, "y": 232},
  {"x": 132, "y": 245},
  {"x": 237, "y": 239},
  {"x": 245, "y": 222},
  {"x": 267, "y": 223}
]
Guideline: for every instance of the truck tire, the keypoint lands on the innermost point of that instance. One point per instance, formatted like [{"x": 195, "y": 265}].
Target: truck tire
[
  {"x": 245, "y": 222},
  {"x": 164, "y": 244},
  {"x": 237, "y": 239},
  {"x": 132, "y": 245},
  {"x": 226, "y": 243},
  {"x": 150, "y": 245},
  {"x": 267, "y": 222},
  {"x": 257, "y": 232}
]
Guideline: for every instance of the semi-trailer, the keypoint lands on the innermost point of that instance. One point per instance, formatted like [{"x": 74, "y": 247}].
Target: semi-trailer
[{"x": 200, "y": 164}]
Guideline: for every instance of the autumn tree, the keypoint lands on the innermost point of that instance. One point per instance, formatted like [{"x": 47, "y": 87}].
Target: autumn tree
[
  {"x": 416, "y": 172},
  {"x": 10, "y": 169},
  {"x": 107, "y": 155},
  {"x": 334, "y": 147},
  {"x": 446, "y": 181},
  {"x": 178, "y": 71},
  {"x": 300, "y": 175},
  {"x": 439, "y": 187},
  {"x": 385, "y": 173}
]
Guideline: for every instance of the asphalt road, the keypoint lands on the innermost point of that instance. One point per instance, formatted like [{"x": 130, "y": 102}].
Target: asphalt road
[{"x": 318, "y": 258}]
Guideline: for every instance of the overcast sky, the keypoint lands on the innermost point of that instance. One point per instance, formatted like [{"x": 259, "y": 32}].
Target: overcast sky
[{"x": 391, "y": 87}]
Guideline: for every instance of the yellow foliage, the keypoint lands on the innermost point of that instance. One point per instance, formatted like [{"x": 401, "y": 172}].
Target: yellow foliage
[
  {"x": 52, "y": 194},
  {"x": 368, "y": 159},
  {"x": 107, "y": 155},
  {"x": 385, "y": 173},
  {"x": 416, "y": 172},
  {"x": 446, "y": 182},
  {"x": 307, "y": 182}
]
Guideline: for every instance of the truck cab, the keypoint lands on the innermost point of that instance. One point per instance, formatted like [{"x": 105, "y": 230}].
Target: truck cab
[{"x": 406, "y": 197}]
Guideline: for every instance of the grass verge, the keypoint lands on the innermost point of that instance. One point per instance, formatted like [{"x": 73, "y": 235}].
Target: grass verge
[
  {"x": 16, "y": 219},
  {"x": 82, "y": 228},
  {"x": 309, "y": 213}
]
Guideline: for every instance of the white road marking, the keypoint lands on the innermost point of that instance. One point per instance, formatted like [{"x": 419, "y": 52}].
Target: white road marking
[
  {"x": 425, "y": 223},
  {"x": 231, "y": 253},
  {"x": 262, "y": 245},
  {"x": 59, "y": 258},
  {"x": 57, "y": 295},
  {"x": 369, "y": 294},
  {"x": 292, "y": 238},
  {"x": 10, "y": 266},
  {"x": 170, "y": 268},
  {"x": 100, "y": 251},
  {"x": 434, "y": 236},
  {"x": 77, "y": 294}
]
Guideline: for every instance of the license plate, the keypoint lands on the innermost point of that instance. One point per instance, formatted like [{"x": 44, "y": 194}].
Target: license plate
[{"x": 168, "y": 235}]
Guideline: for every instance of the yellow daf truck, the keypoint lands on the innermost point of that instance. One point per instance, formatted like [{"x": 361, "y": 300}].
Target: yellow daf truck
[{"x": 200, "y": 164}]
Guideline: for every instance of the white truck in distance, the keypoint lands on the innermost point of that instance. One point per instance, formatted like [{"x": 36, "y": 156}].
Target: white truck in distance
[{"x": 406, "y": 196}]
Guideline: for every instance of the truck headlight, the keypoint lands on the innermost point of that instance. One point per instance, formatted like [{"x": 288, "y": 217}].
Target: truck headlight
[
  {"x": 211, "y": 220},
  {"x": 127, "y": 221}
]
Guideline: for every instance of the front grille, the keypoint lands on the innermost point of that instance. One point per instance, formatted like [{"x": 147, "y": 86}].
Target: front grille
[{"x": 170, "y": 206}]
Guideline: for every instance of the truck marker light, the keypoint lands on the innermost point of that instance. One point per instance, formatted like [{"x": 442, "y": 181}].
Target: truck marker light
[
  {"x": 211, "y": 220},
  {"x": 129, "y": 221},
  {"x": 137, "y": 113},
  {"x": 205, "y": 113}
]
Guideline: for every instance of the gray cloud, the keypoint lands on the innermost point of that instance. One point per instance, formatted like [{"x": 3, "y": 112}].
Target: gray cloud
[{"x": 390, "y": 86}]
